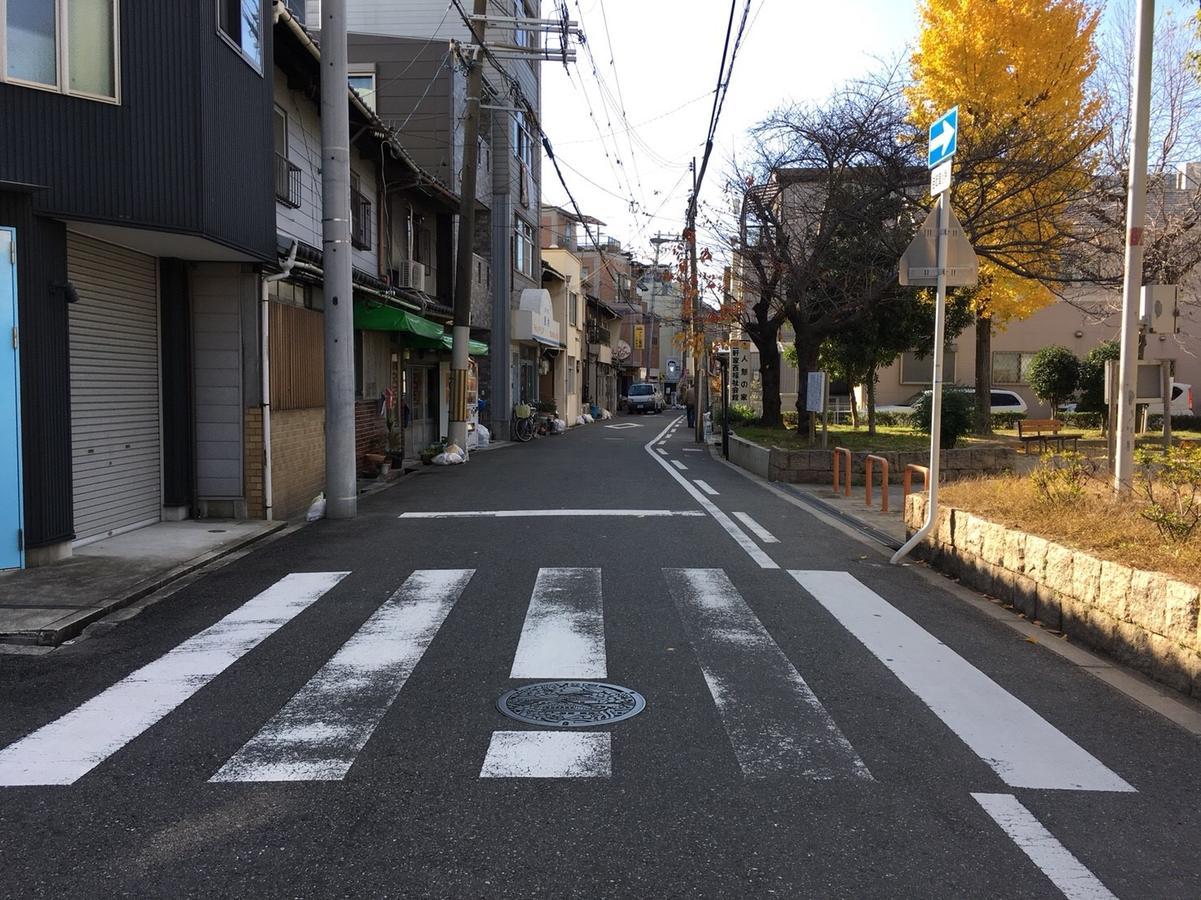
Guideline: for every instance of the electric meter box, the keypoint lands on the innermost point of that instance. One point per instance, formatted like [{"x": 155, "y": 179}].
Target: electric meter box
[{"x": 1160, "y": 308}]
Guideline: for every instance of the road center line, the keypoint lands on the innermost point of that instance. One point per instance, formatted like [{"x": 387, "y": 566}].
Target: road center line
[
  {"x": 68, "y": 748},
  {"x": 744, "y": 540},
  {"x": 549, "y": 513},
  {"x": 564, "y": 631},
  {"x": 1020, "y": 745},
  {"x": 1066, "y": 872},
  {"x": 320, "y": 731},
  {"x": 758, "y": 530}
]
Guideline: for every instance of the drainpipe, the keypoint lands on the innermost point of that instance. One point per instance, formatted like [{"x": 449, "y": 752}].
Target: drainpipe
[{"x": 265, "y": 366}]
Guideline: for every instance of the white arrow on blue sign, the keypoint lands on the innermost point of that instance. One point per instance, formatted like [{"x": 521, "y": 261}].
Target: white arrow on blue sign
[{"x": 944, "y": 134}]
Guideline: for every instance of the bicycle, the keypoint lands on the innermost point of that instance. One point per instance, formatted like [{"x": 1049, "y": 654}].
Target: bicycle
[{"x": 522, "y": 424}]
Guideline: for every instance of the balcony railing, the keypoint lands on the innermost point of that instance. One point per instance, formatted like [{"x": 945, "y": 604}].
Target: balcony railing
[
  {"x": 287, "y": 181},
  {"x": 360, "y": 221},
  {"x": 598, "y": 335}
]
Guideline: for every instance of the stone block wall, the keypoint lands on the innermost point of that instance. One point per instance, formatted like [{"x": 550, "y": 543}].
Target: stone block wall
[
  {"x": 297, "y": 459},
  {"x": 1148, "y": 620},
  {"x": 252, "y": 462}
]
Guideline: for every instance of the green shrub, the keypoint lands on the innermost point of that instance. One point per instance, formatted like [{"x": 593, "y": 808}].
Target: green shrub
[
  {"x": 1170, "y": 482},
  {"x": 1092, "y": 377},
  {"x": 1060, "y": 478},
  {"x": 790, "y": 418},
  {"x": 1054, "y": 374},
  {"x": 1007, "y": 420},
  {"x": 740, "y": 414},
  {"x": 958, "y": 413},
  {"x": 893, "y": 418},
  {"x": 1082, "y": 419},
  {"x": 1179, "y": 423}
]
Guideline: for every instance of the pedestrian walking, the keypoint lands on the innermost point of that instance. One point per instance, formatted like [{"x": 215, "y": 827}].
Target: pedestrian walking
[{"x": 690, "y": 404}]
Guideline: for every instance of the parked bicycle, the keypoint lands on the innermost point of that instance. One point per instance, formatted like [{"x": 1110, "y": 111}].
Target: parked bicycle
[{"x": 523, "y": 423}]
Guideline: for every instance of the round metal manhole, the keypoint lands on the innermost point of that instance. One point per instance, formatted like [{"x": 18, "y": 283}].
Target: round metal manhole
[{"x": 571, "y": 704}]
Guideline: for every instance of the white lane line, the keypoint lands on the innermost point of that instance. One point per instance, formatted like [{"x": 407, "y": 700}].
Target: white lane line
[
  {"x": 564, "y": 631},
  {"x": 743, "y": 539},
  {"x": 679, "y": 465},
  {"x": 756, "y": 529},
  {"x": 1066, "y": 872},
  {"x": 1020, "y": 745},
  {"x": 549, "y": 513},
  {"x": 69, "y": 747},
  {"x": 548, "y": 754},
  {"x": 693, "y": 450},
  {"x": 776, "y": 724},
  {"x": 320, "y": 731},
  {"x": 661, "y": 450},
  {"x": 704, "y": 486}
]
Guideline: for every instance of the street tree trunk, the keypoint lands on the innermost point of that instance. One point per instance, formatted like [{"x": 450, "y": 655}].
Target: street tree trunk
[
  {"x": 870, "y": 390},
  {"x": 807, "y": 346},
  {"x": 766, "y": 341},
  {"x": 983, "y": 375}
]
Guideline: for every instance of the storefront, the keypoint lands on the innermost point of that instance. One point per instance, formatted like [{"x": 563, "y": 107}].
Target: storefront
[{"x": 537, "y": 348}]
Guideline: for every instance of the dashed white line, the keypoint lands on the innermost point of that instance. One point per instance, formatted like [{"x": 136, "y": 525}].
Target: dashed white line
[
  {"x": 679, "y": 465},
  {"x": 1066, "y": 872},
  {"x": 758, "y": 530},
  {"x": 704, "y": 486},
  {"x": 549, "y": 754}
]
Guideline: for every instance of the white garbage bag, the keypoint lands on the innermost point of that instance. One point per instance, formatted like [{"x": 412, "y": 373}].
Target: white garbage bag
[
  {"x": 558, "y": 426},
  {"x": 580, "y": 420},
  {"x": 316, "y": 509},
  {"x": 482, "y": 435},
  {"x": 605, "y": 414},
  {"x": 446, "y": 458},
  {"x": 588, "y": 420}
]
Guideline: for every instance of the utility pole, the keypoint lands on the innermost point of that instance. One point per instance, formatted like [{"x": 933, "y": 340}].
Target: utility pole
[
  {"x": 341, "y": 485},
  {"x": 461, "y": 332},
  {"x": 1122, "y": 468},
  {"x": 658, "y": 240},
  {"x": 693, "y": 317}
]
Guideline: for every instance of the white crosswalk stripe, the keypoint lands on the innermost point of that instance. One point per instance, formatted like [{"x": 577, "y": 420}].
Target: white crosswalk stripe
[
  {"x": 70, "y": 747},
  {"x": 564, "y": 631},
  {"x": 775, "y": 722},
  {"x": 549, "y": 754},
  {"x": 1019, "y": 744},
  {"x": 321, "y": 730}
]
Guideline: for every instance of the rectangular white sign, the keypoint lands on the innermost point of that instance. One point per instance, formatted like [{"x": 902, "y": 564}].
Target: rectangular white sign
[
  {"x": 940, "y": 178},
  {"x": 815, "y": 394}
]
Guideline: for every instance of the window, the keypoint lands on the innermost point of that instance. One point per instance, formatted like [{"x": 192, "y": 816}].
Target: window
[
  {"x": 363, "y": 82},
  {"x": 241, "y": 22},
  {"x": 1011, "y": 366},
  {"x": 585, "y": 274},
  {"x": 360, "y": 216},
  {"x": 1005, "y": 398},
  {"x": 573, "y": 308},
  {"x": 523, "y": 139},
  {"x": 63, "y": 45},
  {"x": 287, "y": 174},
  {"x": 522, "y": 37},
  {"x": 570, "y": 375},
  {"x": 523, "y": 248},
  {"x": 920, "y": 370}
]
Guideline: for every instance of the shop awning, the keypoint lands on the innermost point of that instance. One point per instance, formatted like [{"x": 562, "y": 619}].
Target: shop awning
[
  {"x": 389, "y": 318},
  {"x": 475, "y": 348}
]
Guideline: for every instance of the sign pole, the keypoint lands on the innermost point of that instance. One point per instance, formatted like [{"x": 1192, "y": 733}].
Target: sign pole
[{"x": 940, "y": 326}]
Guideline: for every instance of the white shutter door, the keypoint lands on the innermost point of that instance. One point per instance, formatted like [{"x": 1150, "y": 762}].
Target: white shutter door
[{"x": 115, "y": 448}]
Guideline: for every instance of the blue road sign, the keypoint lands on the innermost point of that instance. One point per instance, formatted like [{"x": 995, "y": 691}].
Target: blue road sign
[{"x": 944, "y": 134}]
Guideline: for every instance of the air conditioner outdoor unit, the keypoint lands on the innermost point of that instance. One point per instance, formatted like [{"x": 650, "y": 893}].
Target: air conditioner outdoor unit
[{"x": 410, "y": 275}]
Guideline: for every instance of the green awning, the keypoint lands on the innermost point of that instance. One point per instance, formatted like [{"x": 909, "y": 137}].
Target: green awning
[
  {"x": 389, "y": 318},
  {"x": 475, "y": 348}
]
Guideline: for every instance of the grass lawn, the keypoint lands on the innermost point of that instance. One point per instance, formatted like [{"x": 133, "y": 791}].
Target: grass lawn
[
  {"x": 887, "y": 437},
  {"x": 1096, "y": 523}
]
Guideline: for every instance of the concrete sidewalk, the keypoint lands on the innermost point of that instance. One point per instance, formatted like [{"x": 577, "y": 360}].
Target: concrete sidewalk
[{"x": 51, "y": 604}]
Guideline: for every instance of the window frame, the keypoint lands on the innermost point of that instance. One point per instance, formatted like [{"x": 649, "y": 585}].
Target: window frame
[
  {"x": 518, "y": 236},
  {"x": 573, "y": 309},
  {"x": 365, "y": 70},
  {"x": 1025, "y": 358},
  {"x": 62, "y": 59},
  {"x": 237, "y": 47}
]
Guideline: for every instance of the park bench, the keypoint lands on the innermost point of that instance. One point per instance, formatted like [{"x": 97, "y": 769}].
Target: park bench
[{"x": 1043, "y": 431}]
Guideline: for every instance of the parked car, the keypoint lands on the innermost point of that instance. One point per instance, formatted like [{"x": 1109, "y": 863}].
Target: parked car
[
  {"x": 1003, "y": 401},
  {"x": 644, "y": 398},
  {"x": 1182, "y": 402}
]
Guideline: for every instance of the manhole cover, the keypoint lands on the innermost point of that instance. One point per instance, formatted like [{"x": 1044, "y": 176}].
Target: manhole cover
[{"x": 571, "y": 704}]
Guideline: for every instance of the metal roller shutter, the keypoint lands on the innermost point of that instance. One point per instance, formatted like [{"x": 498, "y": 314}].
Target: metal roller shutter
[{"x": 115, "y": 445}]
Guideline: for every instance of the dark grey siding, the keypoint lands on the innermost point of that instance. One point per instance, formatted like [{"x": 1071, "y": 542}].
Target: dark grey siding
[
  {"x": 414, "y": 81},
  {"x": 45, "y": 375},
  {"x": 188, "y": 148}
]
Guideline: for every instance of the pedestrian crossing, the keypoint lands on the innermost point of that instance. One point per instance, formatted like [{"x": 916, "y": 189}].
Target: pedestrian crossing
[{"x": 775, "y": 724}]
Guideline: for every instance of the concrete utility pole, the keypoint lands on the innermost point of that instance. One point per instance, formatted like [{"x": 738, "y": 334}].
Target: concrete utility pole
[
  {"x": 1136, "y": 209},
  {"x": 341, "y": 486},
  {"x": 461, "y": 335},
  {"x": 700, "y": 379}
]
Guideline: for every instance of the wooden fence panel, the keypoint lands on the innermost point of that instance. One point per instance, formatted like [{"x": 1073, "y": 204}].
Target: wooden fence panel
[{"x": 297, "y": 357}]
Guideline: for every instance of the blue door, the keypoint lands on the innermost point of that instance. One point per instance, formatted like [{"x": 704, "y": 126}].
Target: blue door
[{"x": 11, "y": 552}]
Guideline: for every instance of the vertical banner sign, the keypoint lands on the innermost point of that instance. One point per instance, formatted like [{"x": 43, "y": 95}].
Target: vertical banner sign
[
  {"x": 740, "y": 371},
  {"x": 639, "y": 337},
  {"x": 815, "y": 392}
]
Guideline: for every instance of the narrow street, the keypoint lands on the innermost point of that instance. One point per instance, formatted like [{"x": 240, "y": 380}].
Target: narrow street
[{"x": 319, "y": 718}]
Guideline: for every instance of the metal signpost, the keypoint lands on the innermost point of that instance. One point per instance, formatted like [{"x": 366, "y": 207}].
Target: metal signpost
[{"x": 954, "y": 264}]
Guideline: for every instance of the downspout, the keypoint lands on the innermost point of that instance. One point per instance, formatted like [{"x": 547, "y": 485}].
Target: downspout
[{"x": 265, "y": 366}]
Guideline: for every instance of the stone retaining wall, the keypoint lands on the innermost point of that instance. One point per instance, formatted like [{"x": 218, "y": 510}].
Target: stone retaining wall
[{"x": 1147, "y": 620}]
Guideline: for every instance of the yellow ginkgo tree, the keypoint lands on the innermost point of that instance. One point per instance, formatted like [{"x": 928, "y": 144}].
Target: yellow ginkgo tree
[{"x": 1019, "y": 72}]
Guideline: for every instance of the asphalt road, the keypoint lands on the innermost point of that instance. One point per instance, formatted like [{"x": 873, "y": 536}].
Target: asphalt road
[{"x": 817, "y": 723}]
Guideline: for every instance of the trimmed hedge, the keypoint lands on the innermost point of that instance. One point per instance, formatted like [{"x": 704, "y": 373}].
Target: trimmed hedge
[{"x": 1183, "y": 423}]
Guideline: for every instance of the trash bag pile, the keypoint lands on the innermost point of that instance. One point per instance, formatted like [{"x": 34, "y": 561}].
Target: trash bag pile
[{"x": 453, "y": 455}]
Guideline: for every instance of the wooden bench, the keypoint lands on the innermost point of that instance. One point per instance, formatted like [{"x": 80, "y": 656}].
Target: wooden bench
[{"x": 1044, "y": 430}]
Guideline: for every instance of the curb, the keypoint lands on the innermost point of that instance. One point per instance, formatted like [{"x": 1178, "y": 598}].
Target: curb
[{"x": 72, "y": 627}]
